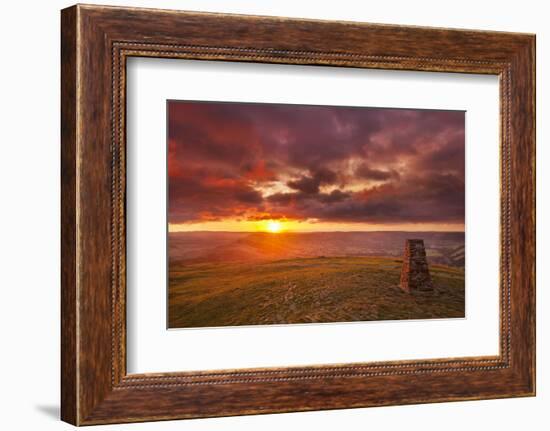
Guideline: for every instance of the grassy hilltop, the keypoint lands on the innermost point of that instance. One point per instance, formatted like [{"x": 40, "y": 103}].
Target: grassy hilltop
[{"x": 306, "y": 290}]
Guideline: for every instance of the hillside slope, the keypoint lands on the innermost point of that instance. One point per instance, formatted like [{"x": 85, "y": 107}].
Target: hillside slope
[
  {"x": 308, "y": 290},
  {"x": 222, "y": 247}
]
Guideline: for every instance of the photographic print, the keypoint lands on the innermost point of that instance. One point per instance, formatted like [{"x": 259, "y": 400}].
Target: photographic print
[{"x": 292, "y": 214}]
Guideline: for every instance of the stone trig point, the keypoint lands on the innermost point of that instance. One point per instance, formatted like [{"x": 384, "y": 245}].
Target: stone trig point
[{"x": 415, "y": 274}]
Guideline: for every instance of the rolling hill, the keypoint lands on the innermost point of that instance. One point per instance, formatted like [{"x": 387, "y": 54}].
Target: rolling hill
[
  {"x": 303, "y": 290},
  {"x": 445, "y": 248}
]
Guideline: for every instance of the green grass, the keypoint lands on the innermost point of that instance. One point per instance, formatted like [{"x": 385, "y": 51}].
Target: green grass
[{"x": 315, "y": 290}]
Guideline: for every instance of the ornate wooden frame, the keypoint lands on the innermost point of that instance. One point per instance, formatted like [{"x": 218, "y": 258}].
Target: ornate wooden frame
[{"x": 96, "y": 41}]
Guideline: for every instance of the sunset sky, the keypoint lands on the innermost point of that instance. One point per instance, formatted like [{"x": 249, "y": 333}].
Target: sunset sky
[{"x": 267, "y": 167}]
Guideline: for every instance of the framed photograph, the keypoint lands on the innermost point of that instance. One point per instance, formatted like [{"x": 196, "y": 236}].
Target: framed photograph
[
  {"x": 264, "y": 215},
  {"x": 289, "y": 214}
]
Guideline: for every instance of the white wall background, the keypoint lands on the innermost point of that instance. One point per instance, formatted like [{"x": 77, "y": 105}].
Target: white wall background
[{"x": 29, "y": 216}]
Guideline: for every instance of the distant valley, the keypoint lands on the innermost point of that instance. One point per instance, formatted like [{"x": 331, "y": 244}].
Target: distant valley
[{"x": 445, "y": 248}]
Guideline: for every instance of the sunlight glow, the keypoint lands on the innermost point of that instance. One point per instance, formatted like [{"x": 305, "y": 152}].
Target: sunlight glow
[
  {"x": 295, "y": 226},
  {"x": 273, "y": 226}
]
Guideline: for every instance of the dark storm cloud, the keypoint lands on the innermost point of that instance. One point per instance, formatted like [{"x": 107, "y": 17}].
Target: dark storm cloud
[
  {"x": 334, "y": 196},
  {"x": 428, "y": 198},
  {"x": 310, "y": 183},
  {"x": 365, "y": 171},
  {"x": 261, "y": 161}
]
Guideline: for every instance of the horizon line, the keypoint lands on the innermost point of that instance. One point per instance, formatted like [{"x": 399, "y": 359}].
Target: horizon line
[{"x": 320, "y": 231}]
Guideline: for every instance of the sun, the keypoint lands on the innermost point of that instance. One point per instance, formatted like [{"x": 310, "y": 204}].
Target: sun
[{"x": 274, "y": 226}]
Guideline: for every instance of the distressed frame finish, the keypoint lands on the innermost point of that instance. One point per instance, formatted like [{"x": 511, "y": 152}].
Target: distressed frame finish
[{"x": 96, "y": 41}]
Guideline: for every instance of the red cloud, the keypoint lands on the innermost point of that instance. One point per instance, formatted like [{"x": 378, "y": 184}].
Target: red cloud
[{"x": 239, "y": 160}]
